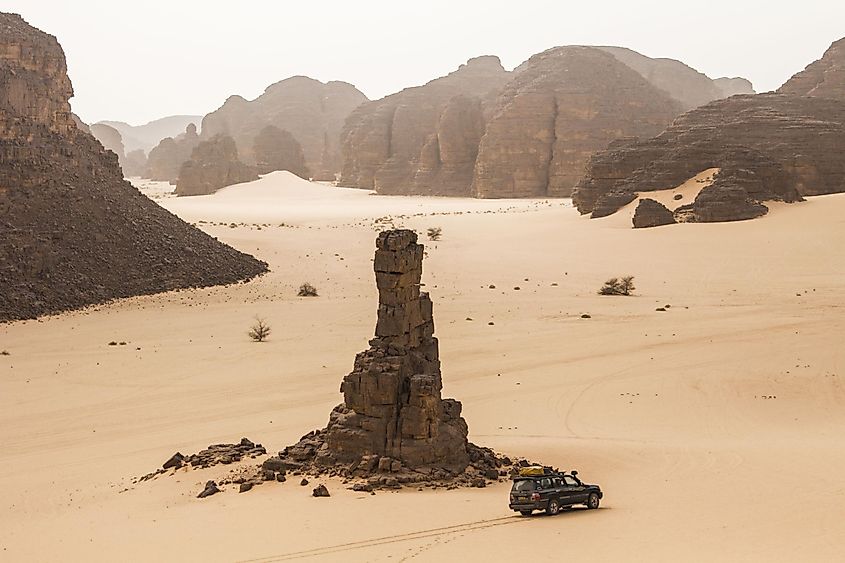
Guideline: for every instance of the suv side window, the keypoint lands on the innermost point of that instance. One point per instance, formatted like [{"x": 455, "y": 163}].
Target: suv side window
[
  {"x": 570, "y": 481},
  {"x": 545, "y": 483},
  {"x": 556, "y": 482}
]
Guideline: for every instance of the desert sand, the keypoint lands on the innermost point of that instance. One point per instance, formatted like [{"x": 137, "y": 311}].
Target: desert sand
[{"x": 715, "y": 427}]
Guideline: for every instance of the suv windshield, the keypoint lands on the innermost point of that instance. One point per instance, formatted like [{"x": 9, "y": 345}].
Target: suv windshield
[{"x": 523, "y": 485}]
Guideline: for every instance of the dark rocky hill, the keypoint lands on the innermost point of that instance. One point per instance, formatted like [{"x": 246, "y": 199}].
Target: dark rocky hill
[{"x": 72, "y": 231}]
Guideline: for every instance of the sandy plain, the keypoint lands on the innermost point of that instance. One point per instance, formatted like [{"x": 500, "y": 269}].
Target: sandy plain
[{"x": 716, "y": 427}]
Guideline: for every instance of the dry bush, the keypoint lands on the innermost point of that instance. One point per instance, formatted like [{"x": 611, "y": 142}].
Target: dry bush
[
  {"x": 618, "y": 286},
  {"x": 307, "y": 290},
  {"x": 259, "y": 331},
  {"x": 434, "y": 233}
]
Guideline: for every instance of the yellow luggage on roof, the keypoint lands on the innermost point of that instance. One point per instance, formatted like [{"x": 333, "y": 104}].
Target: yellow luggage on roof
[{"x": 531, "y": 471}]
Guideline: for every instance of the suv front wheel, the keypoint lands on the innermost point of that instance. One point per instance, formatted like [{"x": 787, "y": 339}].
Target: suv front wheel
[{"x": 593, "y": 501}]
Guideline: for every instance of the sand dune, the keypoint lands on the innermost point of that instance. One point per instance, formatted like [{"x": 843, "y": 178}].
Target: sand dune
[{"x": 715, "y": 427}]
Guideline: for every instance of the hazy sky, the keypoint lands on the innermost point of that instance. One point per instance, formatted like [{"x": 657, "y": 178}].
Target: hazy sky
[{"x": 143, "y": 59}]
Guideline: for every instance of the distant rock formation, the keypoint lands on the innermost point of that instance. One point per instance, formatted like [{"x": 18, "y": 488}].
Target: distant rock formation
[
  {"x": 214, "y": 164},
  {"x": 313, "y": 112},
  {"x": 682, "y": 82},
  {"x": 135, "y": 164},
  {"x": 733, "y": 86},
  {"x": 775, "y": 147},
  {"x": 562, "y": 106},
  {"x": 72, "y": 231},
  {"x": 110, "y": 138},
  {"x": 149, "y": 135},
  {"x": 393, "y": 420},
  {"x": 824, "y": 78},
  {"x": 165, "y": 161},
  {"x": 422, "y": 140},
  {"x": 276, "y": 149}
]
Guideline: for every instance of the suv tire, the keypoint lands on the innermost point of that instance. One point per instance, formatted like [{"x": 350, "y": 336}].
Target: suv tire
[
  {"x": 593, "y": 501},
  {"x": 553, "y": 507}
]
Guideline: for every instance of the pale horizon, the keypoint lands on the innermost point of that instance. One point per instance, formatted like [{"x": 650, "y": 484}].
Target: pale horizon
[{"x": 205, "y": 55}]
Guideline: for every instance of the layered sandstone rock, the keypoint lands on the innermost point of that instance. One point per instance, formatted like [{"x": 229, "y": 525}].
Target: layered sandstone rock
[
  {"x": 214, "y": 164},
  {"x": 392, "y": 409},
  {"x": 690, "y": 87},
  {"x": 562, "y": 106},
  {"x": 310, "y": 110},
  {"x": 792, "y": 145},
  {"x": 165, "y": 161},
  {"x": 276, "y": 149},
  {"x": 651, "y": 213},
  {"x": 72, "y": 231},
  {"x": 422, "y": 140},
  {"x": 110, "y": 138},
  {"x": 825, "y": 78}
]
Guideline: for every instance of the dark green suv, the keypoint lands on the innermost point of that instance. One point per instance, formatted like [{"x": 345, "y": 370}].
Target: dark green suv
[{"x": 551, "y": 491}]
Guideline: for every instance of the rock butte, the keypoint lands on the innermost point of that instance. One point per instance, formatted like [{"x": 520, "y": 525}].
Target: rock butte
[
  {"x": 768, "y": 147},
  {"x": 310, "y": 110},
  {"x": 482, "y": 131},
  {"x": 72, "y": 231},
  {"x": 393, "y": 418},
  {"x": 422, "y": 140},
  {"x": 772, "y": 147},
  {"x": 214, "y": 164},
  {"x": 561, "y": 106},
  {"x": 165, "y": 161},
  {"x": 276, "y": 149}
]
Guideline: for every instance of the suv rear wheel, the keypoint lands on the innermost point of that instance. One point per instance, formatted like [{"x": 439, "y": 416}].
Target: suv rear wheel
[
  {"x": 553, "y": 507},
  {"x": 525, "y": 512}
]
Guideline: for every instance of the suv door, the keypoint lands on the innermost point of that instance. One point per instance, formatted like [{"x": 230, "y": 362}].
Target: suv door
[
  {"x": 562, "y": 491},
  {"x": 577, "y": 492},
  {"x": 547, "y": 491}
]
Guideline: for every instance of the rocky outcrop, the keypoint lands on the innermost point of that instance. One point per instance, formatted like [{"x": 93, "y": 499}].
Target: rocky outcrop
[
  {"x": 312, "y": 111},
  {"x": 422, "y": 140},
  {"x": 276, "y": 149},
  {"x": 146, "y": 137},
  {"x": 562, "y": 106},
  {"x": 391, "y": 400},
  {"x": 825, "y": 78},
  {"x": 72, "y": 231},
  {"x": 214, "y": 164},
  {"x": 792, "y": 144},
  {"x": 135, "y": 164},
  {"x": 165, "y": 161},
  {"x": 393, "y": 426},
  {"x": 110, "y": 138},
  {"x": 650, "y": 213},
  {"x": 690, "y": 87}
]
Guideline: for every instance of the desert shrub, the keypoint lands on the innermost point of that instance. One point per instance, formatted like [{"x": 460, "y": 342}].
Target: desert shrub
[
  {"x": 307, "y": 290},
  {"x": 434, "y": 233},
  {"x": 259, "y": 331},
  {"x": 618, "y": 286},
  {"x": 5, "y": 353}
]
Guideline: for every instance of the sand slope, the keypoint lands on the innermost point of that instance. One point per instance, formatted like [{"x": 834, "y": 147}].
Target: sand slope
[{"x": 715, "y": 427}]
